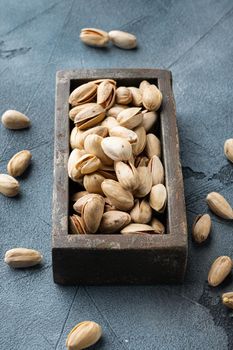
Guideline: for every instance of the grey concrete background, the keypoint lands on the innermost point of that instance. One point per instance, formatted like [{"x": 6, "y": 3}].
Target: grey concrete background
[{"x": 195, "y": 40}]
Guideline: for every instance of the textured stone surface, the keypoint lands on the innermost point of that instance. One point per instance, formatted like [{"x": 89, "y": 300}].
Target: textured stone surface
[{"x": 194, "y": 40}]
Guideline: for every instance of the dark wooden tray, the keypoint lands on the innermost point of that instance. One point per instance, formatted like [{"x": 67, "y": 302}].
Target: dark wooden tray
[{"x": 117, "y": 259}]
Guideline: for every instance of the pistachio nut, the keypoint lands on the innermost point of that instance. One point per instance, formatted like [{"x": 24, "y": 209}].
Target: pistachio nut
[
  {"x": 14, "y": 120},
  {"x": 158, "y": 198},
  {"x": 76, "y": 138},
  {"x": 92, "y": 183},
  {"x": 153, "y": 146},
  {"x": 77, "y": 226},
  {"x": 227, "y": 299},
  {"x": 19, "y": 163},
  {"x": 92, "y": 145},
  {"x": 74, "y": 172},
  {"x": 83, "y": 335},
  {"x": 115, "y": 110},
  {"x": 151, "y": 97},
  {"x": 83, "y": 94},
  {"x": 22, "y": 257},
  {"x": 92, "y": 212},
  {"x": 137, "y": 229},
  {"x": 113, "y": 221},
  {"x": 157, "y": 226},
  {"x": 141, "y": 212},
  {"x": 149, "y": 119},
  {"x": 118, "y": 196},
  {"x": 116, "y": 148},
  {"x": 121, "y": 131},
  {"x": 9, "y": 186},
  {"x": 78, "y": 205},
  {"x": 219, "y": 270},
  {"x": 123, "y": 95},
  {"x": 157, "y": 170},
  {"x": 122, "y": 39},
  {"x": 228, "y": 149},
  {"x": 201, "y": 228},
  {"x": 94, "y": 37},
  {"x": 130, "y": 118},
  {"x": 139, "y": 146},
  {"x": 106, "y": 94},
  {"x": 145, "y": 182},
  {"x": 88, "y": 163},
  {"x": 79, "y": 108},
  {"x": 110, "y": 122},
  {"x": 127, "y": 175},
  {"x": 89, "y": 117},
  {"x": 219, "y": 205},
  {"x": 136, "y": 96}
]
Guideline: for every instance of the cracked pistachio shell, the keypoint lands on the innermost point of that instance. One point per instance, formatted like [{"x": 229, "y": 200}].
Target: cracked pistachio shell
[
  {"x": 227, "y": 299},
  {"x": 15, "y": 120},
  {"x": 97, "y": 130},
  {"x": 83, "y": 94},
  {"x": 113, "y": 221},
  {"x": 121, "y": 131},
  {"x": 157, "y": 226},
  {"x": 127, "y": 175},
  {"x": 83, "y": 335},
  {"x": 201, "y": 228},
  {"x": 136, "y": 96},
  {"x": 76, "y": 225},
  {"x": 92, "y": 212},
  {"x": 123, "y": 95},
  {"x": 228, "y": 149},
  {"x": 106, "y": 94},
  {"x": 137, "y": 229},
  {"x": 139, "y": 146},
  {"x": 92, "y": 183},
  {"x": 19, "y": 163},
  {"x": 89, "y": 117},
  {"x": 88, "y": 163},
  {"x": 145, "y": 182},
  {"x": 76, "y": 136},
  {"x": 149, "y": 119},
  {"x": 117, "y": 148},
  {"x": 219, "y": 205},
  {"x": 73, "y": 172},
  {"x": 158, "y": 198},
  {"x": 157, "y": 170},
  {"x": 115, "y": 110},
  {"x": 151, "y": 97},
  {"x": 122, "y": 39},
  {"x": 141, "y": 212},
  {"x": 110, "y": 122},
  {"x": 22, "y": 257},
  {"x": 118, "y": 196},
  {"x": 9, "y": 186},
  {"x": 130, "y": 118},
  {"x": 219, "y": 270},
  {"x": 78, "y": 205},
  {"x": 153, "y": 146},
  {"x": 75, "y": 110},
  {"x": 94, "y": 37},
  {"x": 92, "y": 145}
]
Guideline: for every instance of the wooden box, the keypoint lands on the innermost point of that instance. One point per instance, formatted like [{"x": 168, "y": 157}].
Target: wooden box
[{"x": 117, "y": 259}]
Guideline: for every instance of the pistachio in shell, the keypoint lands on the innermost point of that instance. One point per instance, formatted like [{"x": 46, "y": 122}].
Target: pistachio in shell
[
  {"x": 92, "y": 183},
  {"x": 136, "y": 96},
  {"x": 130, "y": 118},
  {"x": 89, "y": 117},
  {"x": 113, "y": 221},
  {"x": 83, "y": 94},
  {"x": 141, "y": 212},
  {"x": 123, "y": 95},
  {"x": 145, "y": 182},
  {"x": 157, "y": 170},
  {"x": 73, "y": 172},
  {"x": 139, "y": 146},
  {"x": 117, "y": 148},
  {"x": 118, "y": 196},
  {"x": 77, "y": 226},
  {"x": 92, "y": 212},
  {"x": 110, "y": 122},
  {"x": 133, "y": 228},
  {"x": 219, "y": 270},
  {"x": 94, "y": 37},
  {"x": 115, "y": 110},
  {"x": 92, "y": 145},
  {"x": 153, "y": 146},
  {"x": 149, "y": 119},
  {"x": 151, "y": 97},
  {"x": 106, "y": 94},
  {"x": 228, "y": 149},
  {"x": 127, "y": 175},
  {"x": 201, "y": 228},
  {"x": 75, "y": 110},
  {"x": 158, "y": 198},
  {"x": 219, "y": 205},
  {"x": 121, "y": 131},
  {"x": 157, "y": 226}
]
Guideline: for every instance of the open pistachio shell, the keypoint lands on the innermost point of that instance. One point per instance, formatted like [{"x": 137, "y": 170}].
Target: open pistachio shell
[
  {"x": 83, "y": 94},
  {"x": 127, "y": 175},
  {"x": 158, "y": 198},
  {"x": 92, "y": 212},
  {"x": 106, "y": 94},
  {"x": 92, "y": 145},
  {"x": 75, "y": 110},
  {"x": 137, "y": 229},
  {"x": 94, "y": 37},
  {"x": 118, "y": 196},
  {"x": 139, "y": 146},
  {"x": 130, "y": 118},
  {"x": 151, "y": 97},
  {"x": 89, "y": 116}
]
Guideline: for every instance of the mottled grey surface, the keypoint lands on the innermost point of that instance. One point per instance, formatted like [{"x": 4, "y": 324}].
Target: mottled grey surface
[{"x": 195, "y": 40}]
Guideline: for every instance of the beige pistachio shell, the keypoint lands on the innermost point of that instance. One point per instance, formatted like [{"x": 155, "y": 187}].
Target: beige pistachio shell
[
  {"x": 137, "y": 229},
  {"x": 115, "y": 110},
  {"x": 139, "y": 146},
  {"x": 145, "y": 182},
  {"x": 22, "y": 257},
  {"x": 19, "y": 163},
  {"x": 92, "y": 183},
  {"x": 92, "y": 145},
  {"x": 88, "y": 163},
  {"x": 143, "y": 85},
  {"x": 219, "y": 270},
  {"x": 219, "y": 205},
  {"x": 9, "y": 186},
  {"x": 127, "y": 175},
  {"x": 136, "y": 96},
  {"x": 78, "y": 205},
  {"x": 122, "y": 39},
  {"x": 83, "y": 335},
  {"x": 78, "y": 195},
  {"x": 117, "y": 148},
  {"x": 157, "y": 170},
  {"x": 228, "y": 149},
  {"x": 76, "y": 225},
  {"x": 75, "y": 110},
  {"x": 106, "y": 94},
  {"x": 76, "y": 136},
  {"x": 92, "y": 212},
  {"x": 141, "y": 212},
  {"x": 73, "y": 172},
  {"x": 153, "y": 146},
  {"x": 83, "y": 94},
  {"x": 157, "y": 226},
  {"x": 123, "y": 95},
  {"x": 118, "y": 196},
  {"x": 97, "y": 130},
  {"x": 158, "y": 198},
  {"x": 201, "y": 228},
  {"x": 227, "y": 299},
  {"x": 130, "y": 118},
  {"x": 15, "y": 120},
  {"x": 151, "y": 97},
  {"x": 89, "y": 117},
  {"x": 113, "y": 221},
  {"x": 149, "y": 119},
  {"x": 110, "y": 122},
  {"x": 141, "y": 161},
  {"x": 94, "y": 37},
  {"x": 121, "y": 131}
]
